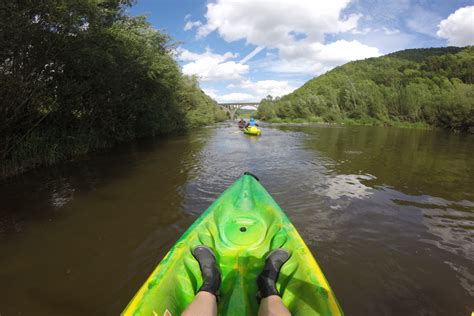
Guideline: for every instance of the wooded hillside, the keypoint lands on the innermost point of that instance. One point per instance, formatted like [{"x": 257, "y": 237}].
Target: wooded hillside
[{"x": 434, "y": 85}]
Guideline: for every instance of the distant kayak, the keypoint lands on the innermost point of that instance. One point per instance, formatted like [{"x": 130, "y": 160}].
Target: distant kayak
[
  {"x": 242, "y": 226},
  {"x": 252, "y": 130}
]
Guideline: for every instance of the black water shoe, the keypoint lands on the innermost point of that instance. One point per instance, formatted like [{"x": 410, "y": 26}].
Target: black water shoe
[
  {"x": 267, "y": 279},
  {"x": 210, "y": 272}
]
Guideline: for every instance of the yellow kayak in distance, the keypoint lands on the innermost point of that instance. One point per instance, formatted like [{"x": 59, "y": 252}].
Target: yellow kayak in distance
[
  {"x": 242, "y": 226},
  {"x": 252, "y": 130}
]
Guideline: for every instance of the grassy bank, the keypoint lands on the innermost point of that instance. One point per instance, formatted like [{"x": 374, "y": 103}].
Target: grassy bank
[
  {"x": 40, "y": 149},
  {"x": 358, "y": 122}
]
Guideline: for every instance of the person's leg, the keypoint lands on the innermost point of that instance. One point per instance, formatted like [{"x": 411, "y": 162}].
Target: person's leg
[
  {"x": 271, "y": 303},
  {"x": 205, "y": 302},
  {"x": 272, "y": 306}
]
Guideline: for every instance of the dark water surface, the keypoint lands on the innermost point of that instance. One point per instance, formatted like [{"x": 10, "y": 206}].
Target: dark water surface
[{"x": 388, "y": 214}]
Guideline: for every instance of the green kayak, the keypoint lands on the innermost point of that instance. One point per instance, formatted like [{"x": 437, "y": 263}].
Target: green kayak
[{"x": 242, "y": 226}]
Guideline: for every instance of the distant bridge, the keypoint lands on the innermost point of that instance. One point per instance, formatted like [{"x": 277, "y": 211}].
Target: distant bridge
[{"x": 232, "y": 108}]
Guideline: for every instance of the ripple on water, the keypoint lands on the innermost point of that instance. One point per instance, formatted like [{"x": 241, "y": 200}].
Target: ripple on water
[
  {"x": 451, "y": 225},
  {"x": 452, "y": 222},
  {"x": 62, "y": 193}
]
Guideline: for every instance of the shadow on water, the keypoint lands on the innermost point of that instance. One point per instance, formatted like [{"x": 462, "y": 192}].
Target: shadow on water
[
  {"x": 80, "y": 238},
  {"x": 48, "y": 189},
  {"x": 51, "y": 188}
]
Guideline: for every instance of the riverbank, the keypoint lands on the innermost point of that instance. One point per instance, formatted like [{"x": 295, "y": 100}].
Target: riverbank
[
  {"x": 361, "y": 122},
  {"x": 47, "y": 149}
]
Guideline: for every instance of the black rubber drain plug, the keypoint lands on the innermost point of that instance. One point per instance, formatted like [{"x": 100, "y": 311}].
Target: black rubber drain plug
[{"x": 243, "y": 229}]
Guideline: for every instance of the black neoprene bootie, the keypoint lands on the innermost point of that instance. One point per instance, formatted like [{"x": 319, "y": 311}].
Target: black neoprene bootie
[
  {"x": 210, "y": 272},
  {"x": 267, "y": 279}
]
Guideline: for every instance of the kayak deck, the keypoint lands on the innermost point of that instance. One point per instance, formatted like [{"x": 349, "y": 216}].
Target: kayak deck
[{"x": 242, "y": 226}]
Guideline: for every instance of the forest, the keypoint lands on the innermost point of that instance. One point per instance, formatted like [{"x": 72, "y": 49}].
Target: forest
[
  {"x": 433, "y": 86},
  {"x": 79, "y": 75}
]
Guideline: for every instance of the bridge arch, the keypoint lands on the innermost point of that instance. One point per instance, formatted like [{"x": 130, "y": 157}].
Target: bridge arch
[{"x": 232, "y": 108}]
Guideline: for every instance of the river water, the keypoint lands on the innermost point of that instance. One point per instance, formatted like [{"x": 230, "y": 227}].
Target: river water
[{"x": 388, "y": 214}]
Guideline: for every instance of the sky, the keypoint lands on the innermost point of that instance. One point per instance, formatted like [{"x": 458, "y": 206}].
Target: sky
[{"x": 244, "y": 50}]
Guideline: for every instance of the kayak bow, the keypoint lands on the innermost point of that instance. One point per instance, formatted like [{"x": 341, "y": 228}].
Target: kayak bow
[{"x": 242, "y": 226}]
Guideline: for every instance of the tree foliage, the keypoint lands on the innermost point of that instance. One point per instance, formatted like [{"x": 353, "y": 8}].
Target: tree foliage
[
  {"x": 76, "y": 75},
  {"x": 434, "y": 85}
]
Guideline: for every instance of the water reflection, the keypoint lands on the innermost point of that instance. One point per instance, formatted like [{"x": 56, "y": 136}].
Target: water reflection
[
  {"x": 346, "y": 185},
  {"x": 431, "y": 163},
  {"x": 82, "y": 237},
  {"x": 62, "y": 193},
  {"x": 452, "y": 222}
]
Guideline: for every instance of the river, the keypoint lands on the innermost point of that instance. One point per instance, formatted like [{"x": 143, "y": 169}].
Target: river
[{"x": 388, "y": 214}]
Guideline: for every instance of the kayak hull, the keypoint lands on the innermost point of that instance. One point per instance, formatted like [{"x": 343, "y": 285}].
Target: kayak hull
[
  {"x": 252, "y": 130},
  {"x": 242, "y": 226}
]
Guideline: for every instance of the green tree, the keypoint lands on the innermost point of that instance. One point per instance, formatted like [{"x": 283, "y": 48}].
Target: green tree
[{"x": 77, "y": 75}]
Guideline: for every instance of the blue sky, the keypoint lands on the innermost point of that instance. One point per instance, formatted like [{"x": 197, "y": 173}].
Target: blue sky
[{"x": 243, "y": 50}]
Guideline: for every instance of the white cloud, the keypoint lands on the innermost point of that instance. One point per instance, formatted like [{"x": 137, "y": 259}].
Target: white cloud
[
  {"x": 213, "y": 93},
  {"x": 192, "y": 24},
  {"x": 298, "y": 66},
  {"x": 212, "y": 67},
  {"x": 187, "y": 55},
  {"x": 335, "y": 53},
  {"x": 458, "y": 28},
  {"x": 264, "y": 22},
  {"x": 364, "y": 31},
  {"x": 253, "y": 91},
  {"x": 315, "y": 58},
  {"x": 294, "y": 32},
  {"x": 236, "y": 97},
  {"x": 262, "y": 88},
  {"x": 297, "y": 30},
  {"x": 388, "y": 31}
]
